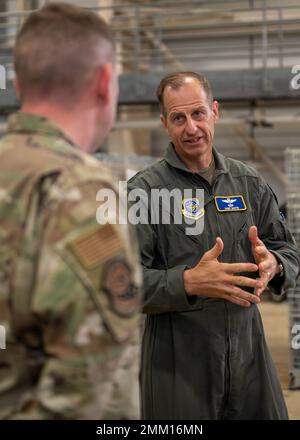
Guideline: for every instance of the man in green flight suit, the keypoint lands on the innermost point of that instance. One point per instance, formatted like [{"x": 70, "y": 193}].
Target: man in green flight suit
[
  {"x": 70, "y": 287},
  {"x": 204, "y": 354}
]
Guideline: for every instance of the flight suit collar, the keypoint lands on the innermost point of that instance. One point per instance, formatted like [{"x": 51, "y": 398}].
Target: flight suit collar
[
  {"x": 173, "y": 159},
  {"x": 21, "y": 122}
]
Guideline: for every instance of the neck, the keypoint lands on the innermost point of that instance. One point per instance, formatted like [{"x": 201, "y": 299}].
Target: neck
[
  {"x": 199, "y": 163},
  {"x": 76, "y": 123}
]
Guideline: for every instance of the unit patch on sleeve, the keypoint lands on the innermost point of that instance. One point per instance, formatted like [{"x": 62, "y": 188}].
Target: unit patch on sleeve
[{"x": 117, "y": 282}]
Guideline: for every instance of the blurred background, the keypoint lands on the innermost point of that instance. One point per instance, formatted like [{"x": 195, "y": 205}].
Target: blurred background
[{"x": 250, "y": 52}]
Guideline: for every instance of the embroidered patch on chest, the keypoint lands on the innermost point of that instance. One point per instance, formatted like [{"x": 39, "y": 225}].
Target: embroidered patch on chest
[
  {"x": 230, "y": 203},
  {"x": 191, "y": 208}
]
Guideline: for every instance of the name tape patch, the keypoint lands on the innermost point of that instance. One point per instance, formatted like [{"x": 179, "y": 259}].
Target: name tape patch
[{"x": 230, "y": 203}]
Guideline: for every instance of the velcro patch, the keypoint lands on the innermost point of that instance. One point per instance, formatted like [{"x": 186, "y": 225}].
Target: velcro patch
[
  {"x": 230, "y": 203},
  {"x": 191, "y": 208},
  {"x": 118, "y": 285},
  {"x": 97, "y": 246}
]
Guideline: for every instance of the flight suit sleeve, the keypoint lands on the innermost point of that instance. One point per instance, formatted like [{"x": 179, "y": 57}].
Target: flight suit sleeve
[
  {"x": 164, "y": 290},
  {"x": 86, "y": 302},
  {"x": 274, "y": 232}
]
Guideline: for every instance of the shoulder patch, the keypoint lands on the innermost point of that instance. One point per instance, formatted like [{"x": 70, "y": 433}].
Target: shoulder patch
[
  {"x": 117, "y": 283},
  {"x": 96, "y": 246}
]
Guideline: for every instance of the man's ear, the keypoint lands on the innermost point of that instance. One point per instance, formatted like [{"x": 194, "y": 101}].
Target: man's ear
[
  {"x": 163, "y": 120},
  {"x": 215, "y": 109},
  {"x": 103, "y": 82}
]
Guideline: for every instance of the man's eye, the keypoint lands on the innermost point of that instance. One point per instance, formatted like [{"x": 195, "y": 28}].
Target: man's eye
[
  {"x": 178, "y": 118},
  {"x": 198, "y": 114}
]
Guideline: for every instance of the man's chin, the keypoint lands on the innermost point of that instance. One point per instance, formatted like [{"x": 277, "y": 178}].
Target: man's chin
[{"x": 197, "y": 148}]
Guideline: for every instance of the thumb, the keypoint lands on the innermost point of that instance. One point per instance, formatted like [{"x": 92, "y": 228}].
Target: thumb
[
  {"x": 214, "y": 252},
  {"x": 252, "y": 235}
]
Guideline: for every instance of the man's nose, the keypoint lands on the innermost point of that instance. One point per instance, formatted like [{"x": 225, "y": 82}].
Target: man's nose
[{"x": 191, "y": 126}]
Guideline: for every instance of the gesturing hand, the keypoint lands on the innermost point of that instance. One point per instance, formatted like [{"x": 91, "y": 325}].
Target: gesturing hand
[
  {"x": 218, "y": 280},
  {"x": 267, "y": 263}
]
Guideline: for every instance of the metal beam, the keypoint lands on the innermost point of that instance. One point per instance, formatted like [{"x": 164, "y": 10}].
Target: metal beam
[
  {"x": 240, "y": 85},
  {"x": 236, "y": 85},
  {"x": 227, "y": 121}
]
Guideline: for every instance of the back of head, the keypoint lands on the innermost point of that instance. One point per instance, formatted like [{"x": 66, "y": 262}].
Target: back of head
[{"x": 57, "y": 50}]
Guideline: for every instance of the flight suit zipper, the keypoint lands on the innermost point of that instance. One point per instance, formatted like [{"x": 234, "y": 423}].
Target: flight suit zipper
[
  {"x": 227, "y": 370},
  {"x": 217, "y": 231},
  {"x": 227, "y": 367},
  {"x": 216, "y": 227}
]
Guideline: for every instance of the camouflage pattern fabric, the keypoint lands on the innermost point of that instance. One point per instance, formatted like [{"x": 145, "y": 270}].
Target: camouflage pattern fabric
[{"x": 70, "y": 288}]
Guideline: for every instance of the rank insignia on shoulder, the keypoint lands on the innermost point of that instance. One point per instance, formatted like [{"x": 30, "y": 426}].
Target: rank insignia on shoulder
[
  {"x": 230, "y": 203},
  {"x": 191, "y": 208}
]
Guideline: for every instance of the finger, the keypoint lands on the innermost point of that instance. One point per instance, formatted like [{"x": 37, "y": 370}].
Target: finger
[
  {"x": 238, "y": 301},
  {"x": 264, "y": 278},
  {"x": 214, "y": 252},
  {"x": 253, "y": 236},
  {"x": 239, "y": 280},
  {"x": 239, "y": 267},
  {"x": 240, "y": 293},
  {"x": 265, "y": 267},
  {"x": 260, "y": 290},
  {"x": 261, "y": 250}
]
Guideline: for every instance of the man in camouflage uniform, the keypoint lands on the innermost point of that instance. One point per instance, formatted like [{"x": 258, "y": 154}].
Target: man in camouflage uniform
[{"x": 69, "y": 297}]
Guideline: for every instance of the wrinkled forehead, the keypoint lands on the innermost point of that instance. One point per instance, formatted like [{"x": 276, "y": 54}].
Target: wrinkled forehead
[{"x": 186, "y": 97}]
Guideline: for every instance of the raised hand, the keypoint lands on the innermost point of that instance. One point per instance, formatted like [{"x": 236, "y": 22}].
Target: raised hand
[
  {"x": 214, "y": 279},
  {"x": 266, "y": 261}
]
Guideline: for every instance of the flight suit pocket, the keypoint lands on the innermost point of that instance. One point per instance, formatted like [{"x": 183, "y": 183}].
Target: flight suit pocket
[
  {"x": 279, "y": 232},
  {"x": 243, "y": 243}
]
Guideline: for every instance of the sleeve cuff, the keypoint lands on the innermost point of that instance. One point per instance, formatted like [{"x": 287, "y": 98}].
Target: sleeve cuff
[
  {"x": 277, "y": 284},
  {"x": 177, "y": 290}
]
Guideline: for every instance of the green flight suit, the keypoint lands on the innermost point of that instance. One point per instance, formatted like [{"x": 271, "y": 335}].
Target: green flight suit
[{"x": 205, "y": 358}]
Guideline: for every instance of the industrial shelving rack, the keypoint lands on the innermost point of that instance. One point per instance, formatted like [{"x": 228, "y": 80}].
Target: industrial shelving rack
[{"x": 293, "y": 214}]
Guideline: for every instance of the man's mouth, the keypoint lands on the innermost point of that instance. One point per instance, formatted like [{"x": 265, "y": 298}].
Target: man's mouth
[{"x": 193, "y": 141}]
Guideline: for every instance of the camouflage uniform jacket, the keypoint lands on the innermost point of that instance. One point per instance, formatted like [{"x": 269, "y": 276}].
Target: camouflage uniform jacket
[{"x": 70, "y": 287}]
